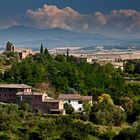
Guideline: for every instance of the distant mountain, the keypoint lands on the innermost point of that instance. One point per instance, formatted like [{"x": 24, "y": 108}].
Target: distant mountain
[{"x": 23, "y": 36}]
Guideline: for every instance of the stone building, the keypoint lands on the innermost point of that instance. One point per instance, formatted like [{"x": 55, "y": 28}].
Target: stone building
[
  {"x": 22, "y": 52},
  {"x": 10, "y": 47},
  {"x": 41, "y": 102},
  {"x": 8, "y": 91}
]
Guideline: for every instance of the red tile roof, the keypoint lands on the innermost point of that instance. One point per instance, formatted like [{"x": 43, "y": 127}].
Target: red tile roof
[
  {"x": 24, "y": 93},
  {"x": 30, "y": 93},
  {"x": 37, "y": 94},
  {"x": 22, "y": 86},
  {"x": 70, "y": 96},
  {"x": 74, "y": 97},
  {"x": 51, "y": 101}
]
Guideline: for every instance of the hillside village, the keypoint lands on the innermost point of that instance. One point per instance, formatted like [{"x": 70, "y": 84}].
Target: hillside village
[
  {"x": 70, "y": 70},
  {"x": 81, "y": 92},
  {"x": 18, "y": 93},
  {"x": 117, "y": 59}
]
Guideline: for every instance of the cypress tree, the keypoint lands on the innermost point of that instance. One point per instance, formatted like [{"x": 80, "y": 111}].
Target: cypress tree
[
  {"x": 67, "y": 55},
  {"x": 41, "y": 49},
  {"x": 46, "y": 53}
]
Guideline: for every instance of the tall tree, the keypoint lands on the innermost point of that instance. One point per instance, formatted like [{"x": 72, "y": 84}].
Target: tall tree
[
  {"x": 41, "y": 49},
  {"x": 67, "y": 54},
  {"x": 47, "y": 54}
]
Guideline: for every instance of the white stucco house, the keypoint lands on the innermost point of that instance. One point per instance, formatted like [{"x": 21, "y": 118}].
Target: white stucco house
[
  {"x": 76, "y": 100},
  {"x": 87, "y": 59}
]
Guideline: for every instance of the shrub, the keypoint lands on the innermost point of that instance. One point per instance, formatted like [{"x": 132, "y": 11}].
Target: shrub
[
  {"x": 69, "y": 109},
  {"x": 126, "y": 134},
  {"x": 108, "y": 135}
]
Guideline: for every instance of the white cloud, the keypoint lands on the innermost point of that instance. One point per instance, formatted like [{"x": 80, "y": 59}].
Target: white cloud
[
  {"x": 100, "y": 18},
  {"x": 52, "y": 17}
]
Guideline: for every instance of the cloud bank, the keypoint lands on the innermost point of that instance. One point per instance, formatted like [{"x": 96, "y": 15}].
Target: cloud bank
[
  {"x": 121, "y": 21},
  {"x": 117, "y": 21},
  {"x": 52, "y": 17}
]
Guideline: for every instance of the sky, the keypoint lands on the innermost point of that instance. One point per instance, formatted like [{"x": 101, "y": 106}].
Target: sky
[{"x": 116, "y": 17}]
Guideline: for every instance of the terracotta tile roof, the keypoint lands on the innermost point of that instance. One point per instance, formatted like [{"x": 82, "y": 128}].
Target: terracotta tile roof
[
  {"x": 14, "y": 86},
  {"x": 51, "y": 101},
  {"x": 30, "y": 93},
  {"x": 70, "y": 96},
  {"x": 74, "y": 97},
  {"x": 24, "y": 93},
  {"x": 37, "y": 94}
]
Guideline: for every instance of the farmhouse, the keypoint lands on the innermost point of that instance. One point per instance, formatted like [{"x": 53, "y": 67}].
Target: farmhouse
[
  {"x": 41, "y": 102},
  {"x": 76, "y": 100},
  {"x": 8, "y": 91}
]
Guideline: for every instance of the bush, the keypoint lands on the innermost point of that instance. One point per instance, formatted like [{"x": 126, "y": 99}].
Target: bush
[
  {"x": 84, "y": 117},
  {"x": 126, "y": 134},
  {"x": 69, "y": 109},
  {"x": 108, "y": 135},
  {"x": 70, "y": 135},
  {"x": 77, "y": 131}
]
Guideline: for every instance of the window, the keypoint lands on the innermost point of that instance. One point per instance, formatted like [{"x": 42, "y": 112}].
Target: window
[
  {"x": 68, "y": 101},
  {"x": 10, "y": 90},
  {"x": 79, "y": 102},
  {"x": 29, "y": 90},
  {"x": 80, "y": 109}
]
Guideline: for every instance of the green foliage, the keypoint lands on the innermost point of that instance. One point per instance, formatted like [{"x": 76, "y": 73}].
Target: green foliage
[
  {"x": 68, "y": 108},
  {"x": 25, "y": 72},
  {"x": 126, "y": 134},
  {"x": 18, "y": 122},
  {"x": 10, "y": 57},
  {"x": 87, "y": 107},
  {"x": 108, "y": 113},
  {"x": 132, "y": 116},
  {"x": 77, "y": 131},
  {"x": 60, "y": 58},
  {"x": 47, "y": 55},
  {"x": 132, "y": 66},
  {"x": 108, "y": 135},
  {"x": 41, "y": 49},
  {"x": 84, "y": 78}
]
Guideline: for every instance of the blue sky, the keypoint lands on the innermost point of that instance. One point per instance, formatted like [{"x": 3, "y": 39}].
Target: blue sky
[
  {"x": 12, "y": 7},
  {"x": 81, "y": 15}
]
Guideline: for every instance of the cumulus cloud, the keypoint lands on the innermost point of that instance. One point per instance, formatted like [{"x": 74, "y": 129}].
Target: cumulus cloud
[
  {"x": 52, "y": 17},
  {"x": 125, "y": 20},
  {"x": 100, "y": 18},
  {"x": 125, "y": 12}
]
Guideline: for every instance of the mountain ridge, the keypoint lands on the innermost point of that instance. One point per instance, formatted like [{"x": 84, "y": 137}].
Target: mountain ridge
[{"x": 23, "y": 36}]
